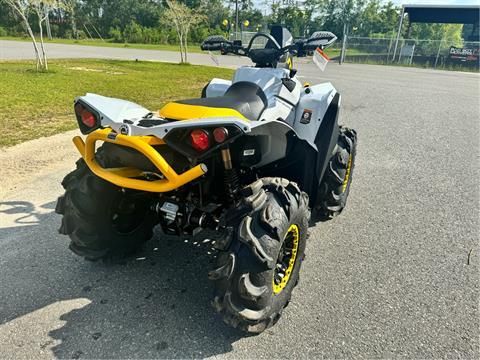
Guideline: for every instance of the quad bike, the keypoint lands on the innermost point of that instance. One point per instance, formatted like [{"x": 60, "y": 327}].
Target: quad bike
[{"x": 245, "y": 162}]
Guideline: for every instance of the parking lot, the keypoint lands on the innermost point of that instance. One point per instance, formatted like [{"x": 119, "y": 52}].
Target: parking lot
[{"x": 396, "y": 275}]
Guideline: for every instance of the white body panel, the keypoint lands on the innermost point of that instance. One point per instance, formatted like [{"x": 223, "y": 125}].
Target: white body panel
[
  {"x": 315, "y": 99},
  {"x": 114, "y": 110},
  {"x": 281, "y": 102},
  {"x": 217, "y": 87},
  {"x": 111, "y": 117}
]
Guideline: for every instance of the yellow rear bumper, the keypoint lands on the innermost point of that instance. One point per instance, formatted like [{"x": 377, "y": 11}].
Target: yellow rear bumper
[{"x": 124, "y": 177}]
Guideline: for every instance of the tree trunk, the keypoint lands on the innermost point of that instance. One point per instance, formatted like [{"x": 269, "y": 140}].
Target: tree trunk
[
  {"x": 47, "y": 26},
  {"x": 74, "y": 24},
  {"x": 181, "y": 47},
  {"x": 34, "y": 41},
  {"x": 74, "y": 29},
  {"x": 40, "y": 25},
  {"x": 185, "y": 48},
  {"x": 17, "y": 7}
]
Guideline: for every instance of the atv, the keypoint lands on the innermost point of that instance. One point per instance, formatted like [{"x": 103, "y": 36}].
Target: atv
[{"x": 245, "y": 164}]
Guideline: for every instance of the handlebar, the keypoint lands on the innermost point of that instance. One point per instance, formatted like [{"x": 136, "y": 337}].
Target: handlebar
[
  {"x": 219, "y": 43},
  {"x": 211, "y": 47},
  {"x": 321, "y": 39}
]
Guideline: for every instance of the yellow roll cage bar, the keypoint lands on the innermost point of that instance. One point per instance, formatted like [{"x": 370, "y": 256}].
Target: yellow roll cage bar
[{"x": 125, "y": 176}]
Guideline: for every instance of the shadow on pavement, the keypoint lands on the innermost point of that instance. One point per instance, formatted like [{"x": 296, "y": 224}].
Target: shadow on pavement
[{"x": 153, "y": 306}]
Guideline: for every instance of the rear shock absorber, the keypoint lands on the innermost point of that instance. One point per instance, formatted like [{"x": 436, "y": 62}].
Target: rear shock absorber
[{"x": 230, "y": 178}]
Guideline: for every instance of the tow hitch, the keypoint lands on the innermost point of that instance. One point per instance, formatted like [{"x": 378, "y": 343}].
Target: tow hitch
[{"x": 176, "y": 218}]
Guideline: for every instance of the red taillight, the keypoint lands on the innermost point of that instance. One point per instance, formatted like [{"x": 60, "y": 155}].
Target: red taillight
[
  {"x": 88, "y": 118},
  {"x": 200, "y": 140},
  {"x": 220, "y": 134}
]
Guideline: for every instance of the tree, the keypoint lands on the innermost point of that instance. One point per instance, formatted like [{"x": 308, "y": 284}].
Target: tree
[
  {"x": 338, "y": 13},
  {"x": 21, "y": 8},
  {"x": 370, "y": 20},
  {"x": 292, "y": 18},
  {"x": 254, "y": 17},
  {"x": 42, "y": 8},
  {"x": 310, "y": 8},
  {"x": 183, "y": 18},
  {"x": 70, "y": 8},
  {"x": 438, "y": 34},
  {"x": 215, "y": 11}
]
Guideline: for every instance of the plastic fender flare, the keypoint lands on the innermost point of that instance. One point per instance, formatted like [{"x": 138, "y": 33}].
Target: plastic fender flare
[{"x": 325, "y": 140}]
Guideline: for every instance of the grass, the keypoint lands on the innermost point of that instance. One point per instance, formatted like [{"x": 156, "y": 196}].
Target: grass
[
  {"x": 108, "y": 43},
  {"x": 35, "y": 104}
]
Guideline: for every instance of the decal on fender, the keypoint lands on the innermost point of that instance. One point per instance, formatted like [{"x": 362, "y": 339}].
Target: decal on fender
[{"x": 306, "y": 116}]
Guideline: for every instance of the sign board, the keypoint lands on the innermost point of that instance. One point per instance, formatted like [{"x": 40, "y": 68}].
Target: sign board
[
  {"x": 469, "y": 54},
  {"x": 320, "y": 59}
]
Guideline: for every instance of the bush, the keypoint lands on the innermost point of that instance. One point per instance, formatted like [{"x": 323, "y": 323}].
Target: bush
[
  {"x": 137, "y": 34},
  {"x": 133, "y": 33},
  {"x": 82, "y": 35},
  {"x": 172, "y": 37},
  {"x": 198, "y": 34},
  {"x": 3, "y": 32},
  {"x": 154, "y": 36},
  {"x": 116, "y": 35},
  {"x": 55, "y": 30}
]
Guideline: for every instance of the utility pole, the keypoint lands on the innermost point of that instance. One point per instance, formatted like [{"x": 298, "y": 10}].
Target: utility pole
[
  {"x": 236, "y": 19},
  {"x": 344, "y": 44},
  {"x": 400, "y": 23}
]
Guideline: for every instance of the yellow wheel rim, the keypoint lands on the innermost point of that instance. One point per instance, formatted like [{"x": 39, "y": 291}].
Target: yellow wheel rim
[
  {"x": 347, "y": 174},
  {"x": 286, "y": 259}
]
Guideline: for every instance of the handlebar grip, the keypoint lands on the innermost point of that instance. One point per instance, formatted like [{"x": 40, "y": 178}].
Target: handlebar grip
[{"x": 212, "y": 47}]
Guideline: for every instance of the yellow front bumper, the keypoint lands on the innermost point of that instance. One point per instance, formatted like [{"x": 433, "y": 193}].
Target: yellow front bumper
[{"x": 124, "y": 177}]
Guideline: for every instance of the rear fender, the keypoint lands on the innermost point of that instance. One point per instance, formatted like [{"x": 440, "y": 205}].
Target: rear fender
[
  {"x": 113, "y": 111},
  {"x": 272, "y": 137}
]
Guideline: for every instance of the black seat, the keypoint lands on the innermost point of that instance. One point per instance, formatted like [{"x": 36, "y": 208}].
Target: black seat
[{"x": 245, "y": 97}]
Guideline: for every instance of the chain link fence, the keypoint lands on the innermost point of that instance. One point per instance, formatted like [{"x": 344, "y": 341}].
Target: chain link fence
[
  {"x": 441, "y": 54},
  {"x": 426, "y": 53}
]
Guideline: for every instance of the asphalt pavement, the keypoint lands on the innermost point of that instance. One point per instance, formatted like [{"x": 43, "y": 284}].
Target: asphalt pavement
[
  {"x": 395, "y": 276},
  {"x": 14, "y": 50}
]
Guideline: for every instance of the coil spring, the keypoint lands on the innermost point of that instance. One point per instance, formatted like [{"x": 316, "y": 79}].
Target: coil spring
[{"x": 231, "y": 182}]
